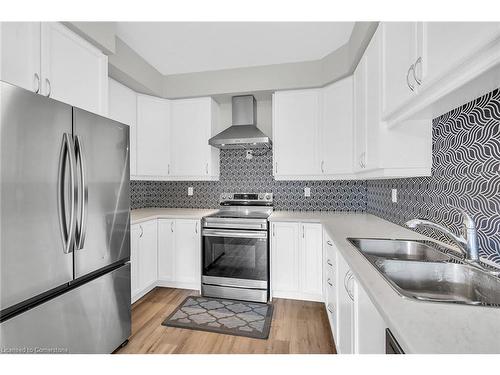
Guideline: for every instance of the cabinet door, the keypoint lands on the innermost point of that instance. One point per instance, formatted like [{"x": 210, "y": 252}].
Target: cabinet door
[
  {"x": 360, "y": 115},
  {"x": 373, "y": 70},
  {"x": 344, "y": 308},
  {"x": 153, "y": 136},
  {"x": 187, "y": 247},
  {"x": 191, "y": 122},
  {"x": 122, "y": 107},
  {"x": 284, "y": 257},
  {"x": 311, "y": 261},
  {"x": 166, "y": 246},
  {"x": 20, "y": 54},
  {"x": 336, "y": 128},
  {"x": 447, "y": 44},
  {"x": 148, "y": 258},
  {"x": 135, "y": 235},
  {"x": 369, "y": 327},
  {"x": 73, "y": 70},
  {"x": 295, "y": 133},
  {"x": 400, "y": 45}
]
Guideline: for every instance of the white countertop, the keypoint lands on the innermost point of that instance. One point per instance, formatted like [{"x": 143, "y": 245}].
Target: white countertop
[
  {"x": 144, "y": 214},
  {"x": 419, "y": 327}
]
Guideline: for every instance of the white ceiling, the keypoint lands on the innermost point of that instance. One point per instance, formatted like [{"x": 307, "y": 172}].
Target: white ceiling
[{"x": 185, "y": 47}]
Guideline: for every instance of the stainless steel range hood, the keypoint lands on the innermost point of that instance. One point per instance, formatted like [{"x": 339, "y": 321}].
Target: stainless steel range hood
[{"x": 243, "y": 133}]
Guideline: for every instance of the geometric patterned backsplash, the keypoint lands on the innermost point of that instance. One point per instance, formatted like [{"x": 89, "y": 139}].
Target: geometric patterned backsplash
[
  {"x": 238, "y": 174},
  {"x": 465, "y": 173}
]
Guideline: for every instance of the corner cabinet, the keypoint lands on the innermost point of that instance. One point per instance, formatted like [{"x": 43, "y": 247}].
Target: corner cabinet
[
  {"x": 49, "y": 59},
  {"x": 153, "y": 137},
  {"x": 296, "y": 261},
  {"x": 122, "y": 107}
]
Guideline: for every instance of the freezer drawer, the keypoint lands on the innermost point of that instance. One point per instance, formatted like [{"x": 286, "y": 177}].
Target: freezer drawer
[{"x": 93, "y": 318}]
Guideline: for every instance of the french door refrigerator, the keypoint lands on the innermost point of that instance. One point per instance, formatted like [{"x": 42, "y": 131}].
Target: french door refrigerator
[{"x": 64, "y": 227}]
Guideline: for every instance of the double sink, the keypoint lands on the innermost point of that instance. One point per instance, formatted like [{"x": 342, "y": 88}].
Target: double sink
[{"x": 419, "y": 270}]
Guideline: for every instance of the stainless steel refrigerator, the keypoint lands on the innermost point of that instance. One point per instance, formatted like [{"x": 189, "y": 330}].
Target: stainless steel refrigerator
[{"x": 64, "y": 227}]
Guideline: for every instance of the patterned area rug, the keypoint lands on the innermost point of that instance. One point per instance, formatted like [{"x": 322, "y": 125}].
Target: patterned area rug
[{"x": 230, "y": 317}]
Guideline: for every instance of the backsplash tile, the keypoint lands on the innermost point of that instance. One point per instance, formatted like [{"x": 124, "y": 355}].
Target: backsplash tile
[
  {"x": 465, "y": 173},
  {"x": 239, "y": 174}
]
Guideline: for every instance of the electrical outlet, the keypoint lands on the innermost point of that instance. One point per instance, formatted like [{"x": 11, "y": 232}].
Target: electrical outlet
[
  {"x": 394, "y": 195},
  {"x": 190, "y": 190},
  {"x": 307, "y": 192}
]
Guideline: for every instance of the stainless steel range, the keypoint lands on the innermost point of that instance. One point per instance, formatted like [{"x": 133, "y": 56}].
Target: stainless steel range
[{"x": 236, "y": 248}]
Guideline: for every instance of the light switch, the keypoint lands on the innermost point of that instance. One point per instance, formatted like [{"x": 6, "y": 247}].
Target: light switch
[
  {"x": 394, "y": 195},
  {"x": 190, "y": 190},
  {"x": 307, "y": 192}
]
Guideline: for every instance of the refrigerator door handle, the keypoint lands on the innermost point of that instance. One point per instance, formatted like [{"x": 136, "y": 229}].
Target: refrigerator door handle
[
  {"x": 83, "y": 196},
  {"x": 67, "y": 231}
]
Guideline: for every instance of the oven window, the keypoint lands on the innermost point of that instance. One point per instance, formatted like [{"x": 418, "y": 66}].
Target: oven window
[{"x": 241, "y": 258}]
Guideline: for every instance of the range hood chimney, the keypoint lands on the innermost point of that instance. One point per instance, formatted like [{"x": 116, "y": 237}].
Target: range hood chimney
[{"x": 243, "y": 133}]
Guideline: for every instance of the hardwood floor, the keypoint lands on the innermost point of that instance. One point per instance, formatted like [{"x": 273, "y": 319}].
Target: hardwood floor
[{"x": 297, "y": 327}]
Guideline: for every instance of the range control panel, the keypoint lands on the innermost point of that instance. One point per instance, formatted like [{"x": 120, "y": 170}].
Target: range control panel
[{"x": 247, "y": 198}]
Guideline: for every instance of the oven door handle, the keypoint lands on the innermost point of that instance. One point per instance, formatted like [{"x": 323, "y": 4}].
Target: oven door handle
[{"x": 234, "y": 233}]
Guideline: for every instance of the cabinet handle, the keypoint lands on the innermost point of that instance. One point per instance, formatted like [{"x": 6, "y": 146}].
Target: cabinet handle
[
  {"x": 274, "y": 230},
  {"x": 37, "y": 83},
  {"x": 322, "y": 166},
  {"x": 142, "y": 231},
  {"x": 303, "y": 231},
  {"x": 172, "y": 226},
  {"x": 206, "y": 168},
  {"x": 329, "y": 243},
  {"x": 49, "y": 87},
  {"x": 196, "y": 228},
  {"x": 412, "y": 88},
  {"x": 329, "y": 262},
  {"x": 418, "y": 80},
  {"x": 330, "y": 308},
  {"x": 348, "y": 277},
  {"x": 276, "y": 167},
  {"x": 329, "y": 281},
  {"x": 168, "y": 168}
]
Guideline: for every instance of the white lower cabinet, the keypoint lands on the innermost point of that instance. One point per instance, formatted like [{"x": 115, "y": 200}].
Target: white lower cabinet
[
  {"x": 143, "y": 258},
  {"x": 296, "y": 261},
  {"x": 179, "y": 250},
  {"x": 356, "y": 324}
]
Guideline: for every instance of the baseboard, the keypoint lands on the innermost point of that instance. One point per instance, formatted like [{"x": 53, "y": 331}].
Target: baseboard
[
  {"x": 178, "y": 285},
  {"x": 143, "y": 292},
  {"x": 298, "y": 296}
]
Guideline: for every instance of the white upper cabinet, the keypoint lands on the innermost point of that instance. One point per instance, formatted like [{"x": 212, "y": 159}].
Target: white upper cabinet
[
  {"x": 295, "y": 133},
  {"x": 192, "y": 124},
  {"x": 20, "y": 54},
  {"x": 400, "y": 52},
  {"x": 73, "y": 71},
  {"x": 122, "y": 107},
  {"x": 336, "y": 128},
  {"x": 430, "y": 68},
  {"x": 447, "y": 44},
  {"x": 153, "y": 136},
  {"x": 51, "y": 60},
  {"x": 360, "y": 115}
]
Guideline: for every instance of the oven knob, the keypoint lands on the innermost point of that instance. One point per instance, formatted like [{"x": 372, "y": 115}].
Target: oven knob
[
  {"x": 261, "y": 196},
  {"x": 268, "y": 197}
]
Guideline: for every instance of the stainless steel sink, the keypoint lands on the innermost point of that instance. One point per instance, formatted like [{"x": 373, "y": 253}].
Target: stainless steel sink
[
  {"x": 399, "y": 249},
  {"x": 441, "y": 282}
]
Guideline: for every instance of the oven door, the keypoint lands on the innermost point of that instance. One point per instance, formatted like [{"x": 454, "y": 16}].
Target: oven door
[{"x": 235, "y": 258}]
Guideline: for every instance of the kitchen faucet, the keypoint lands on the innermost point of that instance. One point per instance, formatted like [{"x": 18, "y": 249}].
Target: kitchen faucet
[{"x": 467, "y": 242}]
